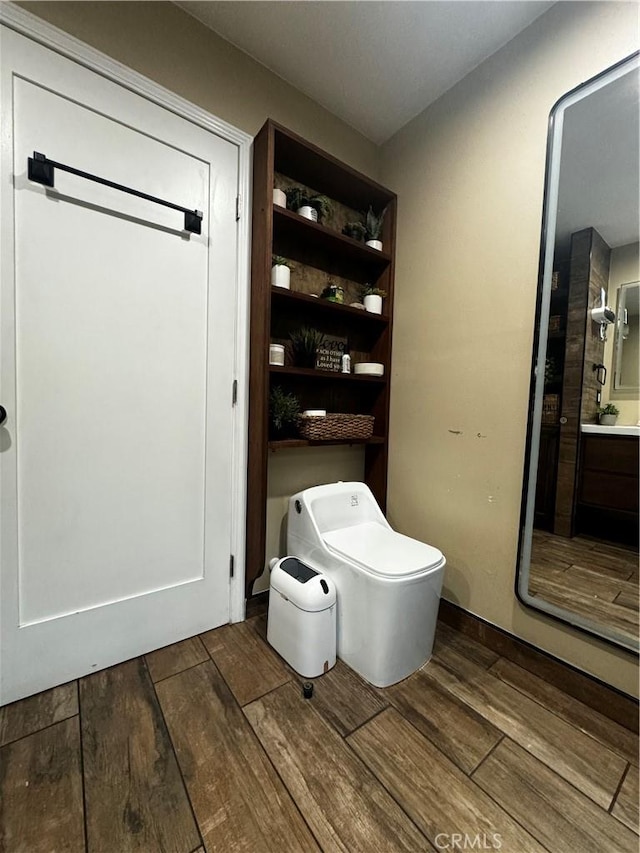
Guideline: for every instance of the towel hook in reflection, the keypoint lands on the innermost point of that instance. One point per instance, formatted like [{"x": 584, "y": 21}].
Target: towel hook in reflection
[{"x": 601, "y": 373}]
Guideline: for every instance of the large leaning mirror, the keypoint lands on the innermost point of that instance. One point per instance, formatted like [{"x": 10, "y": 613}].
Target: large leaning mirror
[{"x": 578, "y": 554}]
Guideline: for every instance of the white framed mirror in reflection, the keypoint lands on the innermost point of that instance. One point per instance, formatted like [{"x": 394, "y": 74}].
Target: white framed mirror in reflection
[
  {"x": 626, "y": 351},
  {"x": 578, "y": 549}
]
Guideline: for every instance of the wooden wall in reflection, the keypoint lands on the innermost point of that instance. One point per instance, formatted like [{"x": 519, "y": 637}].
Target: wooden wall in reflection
[{"x": 589, "y": 272}]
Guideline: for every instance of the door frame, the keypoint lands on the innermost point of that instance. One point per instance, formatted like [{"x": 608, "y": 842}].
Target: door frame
[{"x": 57, "y": 40}]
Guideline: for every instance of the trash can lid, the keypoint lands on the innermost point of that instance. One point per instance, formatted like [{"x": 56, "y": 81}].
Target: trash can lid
[{"x": 304, "y": 587}]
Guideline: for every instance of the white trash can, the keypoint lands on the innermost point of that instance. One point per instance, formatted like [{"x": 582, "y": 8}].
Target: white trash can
[{"x": 302, "y": 617}]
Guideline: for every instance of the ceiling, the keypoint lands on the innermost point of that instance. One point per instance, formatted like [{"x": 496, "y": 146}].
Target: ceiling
[{"x": 376, "y": 65}]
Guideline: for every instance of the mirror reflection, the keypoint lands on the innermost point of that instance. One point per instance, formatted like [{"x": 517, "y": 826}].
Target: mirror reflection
[
  {"x": 579, "y": 535},
  {"x": 626, "y": 350}
]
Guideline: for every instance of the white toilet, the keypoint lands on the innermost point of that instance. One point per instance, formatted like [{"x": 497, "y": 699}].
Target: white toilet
[{"x": 388, "y": 585}]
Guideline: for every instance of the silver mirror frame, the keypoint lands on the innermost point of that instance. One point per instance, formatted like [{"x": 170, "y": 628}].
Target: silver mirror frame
[{"x": 536, "y": 389}]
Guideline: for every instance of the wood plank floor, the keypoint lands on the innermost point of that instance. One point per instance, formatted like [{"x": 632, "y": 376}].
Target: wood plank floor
[
  {"x": 590, "y": 578},
  {"x": 209, "y": 745}
]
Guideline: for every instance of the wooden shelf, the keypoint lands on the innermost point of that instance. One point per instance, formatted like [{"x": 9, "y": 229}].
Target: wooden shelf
[
  {"x": 284, "y": 444},
  {"x": 319, "y": 253},
  {"x": 294, "y": 297},
  {"x": 314, "y": 374},
  {"x": 305, "y": 241},
  {"x": 306, "y": 229},
  {"x": 304, "y": 162}
]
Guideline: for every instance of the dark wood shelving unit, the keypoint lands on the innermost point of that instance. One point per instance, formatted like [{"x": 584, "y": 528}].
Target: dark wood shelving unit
[
  {"x": 301, "y": 239},
  {"x": 283, "y": 444},
  {"x": 321, "y": 251},
  {"x": 319, "y": 375},
  {"x": 281, "y": 296}
]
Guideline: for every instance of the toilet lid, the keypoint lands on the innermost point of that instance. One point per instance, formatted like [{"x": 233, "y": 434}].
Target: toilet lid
[{"x": 383, "y": 551}]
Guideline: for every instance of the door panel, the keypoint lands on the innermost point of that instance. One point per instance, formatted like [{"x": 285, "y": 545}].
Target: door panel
[{"x": 117, "y": 364}]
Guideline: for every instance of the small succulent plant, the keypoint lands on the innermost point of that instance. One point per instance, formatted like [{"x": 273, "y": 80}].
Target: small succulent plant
[
  {"x": 333, "y": 292},
  {"x": 355, "y": 230},
  {"x": 298, "y": 197},
  {"x": 279, "y": 261},
  {"x": 370, "y": 290}
]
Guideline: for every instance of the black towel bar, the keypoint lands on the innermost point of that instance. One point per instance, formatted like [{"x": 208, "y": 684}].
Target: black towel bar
[{"x": 40, "y": 170}]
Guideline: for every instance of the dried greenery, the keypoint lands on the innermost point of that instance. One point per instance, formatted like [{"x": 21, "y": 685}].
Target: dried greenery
[{"x": 284, "y": 411}]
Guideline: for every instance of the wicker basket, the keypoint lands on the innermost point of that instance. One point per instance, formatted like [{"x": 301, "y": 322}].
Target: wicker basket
[
  {"x": 336, "y": 427},
  {"x": 550, "y": 408}
]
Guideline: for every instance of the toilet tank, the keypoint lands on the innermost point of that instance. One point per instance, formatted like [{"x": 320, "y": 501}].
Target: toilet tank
[{"x": 321, "y": 509}]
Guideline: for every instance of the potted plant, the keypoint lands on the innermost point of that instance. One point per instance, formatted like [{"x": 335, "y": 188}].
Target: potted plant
[
  {"x": 304, "y": 346},
  {"x": 284, "y": 412},
  {"x": 280, "y": 272},
  {"x": 333, "y": 293},
  {"x": 608, "y": 414},
  {"x": 373, "y": 226},
  {"x": 355, "y": 230},
  {"x": 317, "y": 208},
  {"x": 372, "y": 298}
]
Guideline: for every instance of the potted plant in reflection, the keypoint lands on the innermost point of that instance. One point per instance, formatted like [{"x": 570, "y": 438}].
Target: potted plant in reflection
[{"x": 608, "y": 415}]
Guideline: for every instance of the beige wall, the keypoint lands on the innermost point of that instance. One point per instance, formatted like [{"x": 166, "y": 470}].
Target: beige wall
[
  {"x": 469, "y": 174},
  {"x": 169, "y": 46},
  {"x": 291, "y": 471},
  {"x": 624, "y": 267}
]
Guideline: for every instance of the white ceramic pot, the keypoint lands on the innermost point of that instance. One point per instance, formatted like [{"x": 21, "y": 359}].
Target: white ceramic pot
[
  {"x": 280, "y": 276},
  {"x": 373, "y": 304},
  {"x": 308, "y": 212},
  {"x": 369, "y": 368},
  {"x": 279, "y": 198},
  {"x": 375, "y": 244}
]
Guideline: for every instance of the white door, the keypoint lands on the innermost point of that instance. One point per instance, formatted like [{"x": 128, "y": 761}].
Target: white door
[{"x": 117, "y": 366}]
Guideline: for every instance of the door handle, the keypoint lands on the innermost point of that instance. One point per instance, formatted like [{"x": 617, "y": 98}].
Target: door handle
[{"x": 3, "y": 414}]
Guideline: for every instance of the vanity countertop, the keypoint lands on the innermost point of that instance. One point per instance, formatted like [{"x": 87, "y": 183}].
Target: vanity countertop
[{"x": 618, "y": 429}]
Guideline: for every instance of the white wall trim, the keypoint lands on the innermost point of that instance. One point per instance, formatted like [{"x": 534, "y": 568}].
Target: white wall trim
[{"x": 55, "y": 39}]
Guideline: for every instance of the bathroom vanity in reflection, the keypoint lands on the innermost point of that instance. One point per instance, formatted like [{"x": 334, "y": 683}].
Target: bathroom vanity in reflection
[{"x": 607, "y": 495}]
